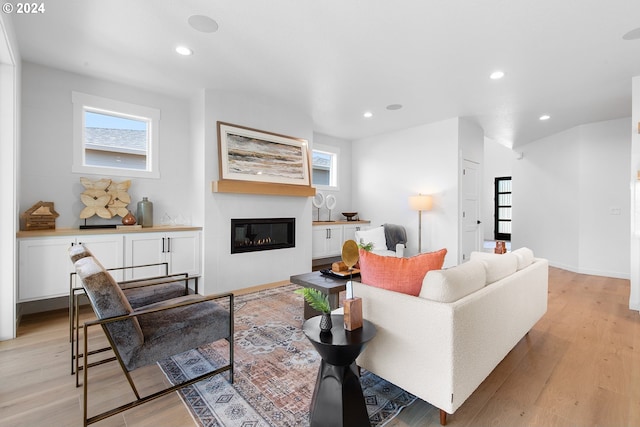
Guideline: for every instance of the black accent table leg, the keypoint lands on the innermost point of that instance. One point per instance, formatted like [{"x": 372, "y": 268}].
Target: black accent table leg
[{"x": 337, "y": 399}]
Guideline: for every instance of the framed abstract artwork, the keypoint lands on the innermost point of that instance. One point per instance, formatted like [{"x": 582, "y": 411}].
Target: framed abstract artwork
[{"x": 253, "y": 155}]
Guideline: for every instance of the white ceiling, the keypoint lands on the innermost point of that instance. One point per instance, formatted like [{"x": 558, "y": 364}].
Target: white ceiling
[{"x": 335, "y": 59}]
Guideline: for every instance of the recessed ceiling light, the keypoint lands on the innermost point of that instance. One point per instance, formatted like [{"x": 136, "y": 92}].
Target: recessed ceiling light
[
  {"x": 632, "y": 35},
  {"x": 497, "y": 75},
  {"x": 545, "y": 117},
  {"x": 202, "y": 23},
  {"x": 394, "y": 106},
  {"x": 368, "y": 114},
  {"x": 183, "y": 50}
]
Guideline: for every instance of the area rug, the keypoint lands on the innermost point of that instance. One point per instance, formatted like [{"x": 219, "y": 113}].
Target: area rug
[{"x": 275, "y": 370}]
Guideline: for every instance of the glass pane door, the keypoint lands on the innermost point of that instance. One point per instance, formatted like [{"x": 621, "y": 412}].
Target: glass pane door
[{"x": 502, "y": 212}]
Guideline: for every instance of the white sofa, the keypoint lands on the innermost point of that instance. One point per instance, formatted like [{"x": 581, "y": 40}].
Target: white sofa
[{"x": 442, "y": 344}]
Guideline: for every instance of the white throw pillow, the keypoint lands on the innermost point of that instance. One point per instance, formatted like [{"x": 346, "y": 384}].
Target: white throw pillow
[
  {"x": 373, "y": 235},
  {"x": 454, "y": 283},
  {"x": 525, "y": 257},
  {"x": 498, "y": 266}
]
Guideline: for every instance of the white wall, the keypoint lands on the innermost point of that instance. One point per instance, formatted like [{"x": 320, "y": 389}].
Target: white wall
[
  {"x": 604, "y": 202},
  {"x": 224, "y": 271},
  {"x": 389, "y": 168},
  {"x": 9, "y": 155},
  {"x": 498, "y": 162},
  {"x": 563, "y": 190},
  {"x": 188, "y": 163},
  {"x": 198, "y": 143},
  {"x": 343, "y": 197},
  {"x": 470, "y": 141},
  {"x": 634, "y": 298},
  {"x": 47, "y": 144}
]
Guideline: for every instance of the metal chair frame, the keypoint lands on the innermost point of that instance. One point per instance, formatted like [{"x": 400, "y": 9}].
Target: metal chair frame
[
  {"x": 76, "y": 357},
  {"x": 141, "y": 400},
  {"x": 76, "y": 291}
]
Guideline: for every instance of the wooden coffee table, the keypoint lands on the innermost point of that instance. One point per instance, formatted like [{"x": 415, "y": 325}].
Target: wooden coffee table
[{"x": 328, "y": 285}]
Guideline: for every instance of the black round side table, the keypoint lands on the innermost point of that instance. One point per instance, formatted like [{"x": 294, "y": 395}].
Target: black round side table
[{"x": 337, "y": 398}]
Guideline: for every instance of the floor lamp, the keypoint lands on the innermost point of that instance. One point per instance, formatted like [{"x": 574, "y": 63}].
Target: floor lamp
[{"x": 420, "y": 203}]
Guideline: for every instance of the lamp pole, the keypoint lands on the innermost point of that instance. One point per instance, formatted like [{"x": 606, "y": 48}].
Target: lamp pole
[
  {"x": 420, "y": 231},
  {"x": 420, "y": 203}
]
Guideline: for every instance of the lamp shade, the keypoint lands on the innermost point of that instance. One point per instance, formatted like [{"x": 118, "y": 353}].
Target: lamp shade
[{"x": 421, "y": 202}]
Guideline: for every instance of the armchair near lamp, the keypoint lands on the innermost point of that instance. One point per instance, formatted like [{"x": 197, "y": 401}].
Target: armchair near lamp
[{"x": 386, "y": 240}]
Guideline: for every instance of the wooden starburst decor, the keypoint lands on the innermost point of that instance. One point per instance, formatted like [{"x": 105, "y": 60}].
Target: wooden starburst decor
[{"x": 104, "y": 198}]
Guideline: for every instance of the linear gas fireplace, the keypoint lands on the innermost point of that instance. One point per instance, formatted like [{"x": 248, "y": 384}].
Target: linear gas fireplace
[{"x": 262, "y": 234}]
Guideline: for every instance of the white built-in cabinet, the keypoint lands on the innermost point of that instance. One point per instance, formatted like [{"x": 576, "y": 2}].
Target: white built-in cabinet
[
  {"x": 180, "y": 249},
  {"x": 328, "y": 237},
  {"x": 350, "y": 230},
  {"x": 44, "y": 266}
]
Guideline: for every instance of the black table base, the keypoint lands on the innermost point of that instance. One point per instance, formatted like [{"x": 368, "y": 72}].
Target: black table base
[{"x": 337, "y": 399}]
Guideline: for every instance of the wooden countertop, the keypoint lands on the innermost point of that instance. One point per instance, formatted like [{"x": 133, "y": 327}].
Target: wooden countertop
[
  {"x": 362, "y": 221},
  {"x": 122, "y": 230}
]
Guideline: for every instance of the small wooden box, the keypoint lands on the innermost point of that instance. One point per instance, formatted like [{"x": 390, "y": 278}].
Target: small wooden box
[{"x": 352, "y": 313}]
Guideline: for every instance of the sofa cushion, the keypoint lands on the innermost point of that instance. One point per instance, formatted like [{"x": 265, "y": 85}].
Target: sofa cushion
[
  {"x": 498, "y": 266},
  {"x": 454, "y": 283},
  {"x": 403, "y": 275},
  {"x": 373, "y": 235},
  {"x": 525, "y": 257},
  {"x": 179, "y": 329}
]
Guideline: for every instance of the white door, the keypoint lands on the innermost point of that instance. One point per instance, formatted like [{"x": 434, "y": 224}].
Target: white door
[
  {"x": 470, "y": 221},
  {"x": 183, "y": 252},
  {"x": 108, "y": 250},
  {"x": 350, "y": 232},
  {"x": 335, "y": 240},
  {"x": 142, "y": 249},
  {"x": 44, "y": 268},
  {"x": 318, "y": 243}
]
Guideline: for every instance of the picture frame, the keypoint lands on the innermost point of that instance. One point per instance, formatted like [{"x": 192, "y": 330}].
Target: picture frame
[{"x": 256, "y": 156}]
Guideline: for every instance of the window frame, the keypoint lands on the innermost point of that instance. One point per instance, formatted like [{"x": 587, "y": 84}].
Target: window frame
[
  {"x": 498, "y": 206},
  {"x": 84, "y": 102},
  {"x": 333, "y": 170}
]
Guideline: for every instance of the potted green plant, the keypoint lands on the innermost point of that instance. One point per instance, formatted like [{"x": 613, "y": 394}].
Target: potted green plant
[
  {"x": 320, "y": 302},
  {"x": 366, "y": 246}
]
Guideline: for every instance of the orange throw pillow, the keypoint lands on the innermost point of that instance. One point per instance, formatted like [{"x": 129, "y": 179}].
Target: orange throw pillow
[{"x": 399, "y": 274}]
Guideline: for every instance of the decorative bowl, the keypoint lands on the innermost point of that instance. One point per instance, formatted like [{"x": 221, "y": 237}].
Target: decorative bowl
[{"x": 350, "y": 215}]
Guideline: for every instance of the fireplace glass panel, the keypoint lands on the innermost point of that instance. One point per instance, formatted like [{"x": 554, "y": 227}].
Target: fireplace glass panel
[{"x": 262, "y": 234}]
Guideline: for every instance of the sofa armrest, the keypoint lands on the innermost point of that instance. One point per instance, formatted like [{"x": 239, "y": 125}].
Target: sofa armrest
[
  {"x": 400, "y": 250},
  {"x": 413, "y": 342}
]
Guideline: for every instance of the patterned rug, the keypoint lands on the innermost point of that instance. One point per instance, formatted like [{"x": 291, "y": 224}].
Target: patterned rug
[{"x": 275, "y": 370}]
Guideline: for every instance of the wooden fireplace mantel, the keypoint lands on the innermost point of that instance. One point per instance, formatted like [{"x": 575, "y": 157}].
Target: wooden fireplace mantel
[{"x": 249, "y": 187}]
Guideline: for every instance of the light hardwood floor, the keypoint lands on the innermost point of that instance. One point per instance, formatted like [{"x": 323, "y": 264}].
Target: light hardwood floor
[{"x": 580, "y": 365}]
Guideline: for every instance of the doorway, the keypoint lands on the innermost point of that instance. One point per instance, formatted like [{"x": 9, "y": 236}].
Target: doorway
[
  {"x": 502, "y": 208},
  {"x": 470, "y": 190}
]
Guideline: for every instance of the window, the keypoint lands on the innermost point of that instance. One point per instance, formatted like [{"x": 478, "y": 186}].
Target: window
[
  {"x": 502, "y": 214},
  {"x": 114, "y": 138},
  {"x": 325, "y": 167}
]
